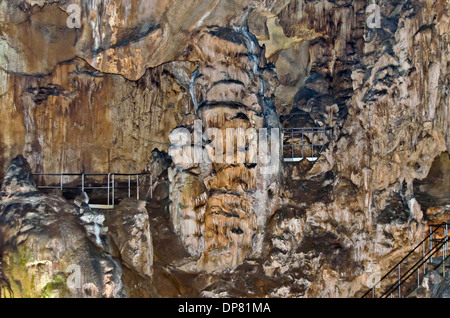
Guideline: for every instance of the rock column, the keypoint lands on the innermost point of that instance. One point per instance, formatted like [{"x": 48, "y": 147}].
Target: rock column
[{"x": 221, "y": 183}]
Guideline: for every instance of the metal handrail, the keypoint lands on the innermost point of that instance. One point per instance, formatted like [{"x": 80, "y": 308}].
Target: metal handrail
[
  {"x": 302, "y": 131},
  {"x": 309, "y": 128},
  {"x": 422, "y": 243},
  {"x": 413, "y": 269},
  {"x": 90, "y": 174},
  {"x": 110, "y": 184}
]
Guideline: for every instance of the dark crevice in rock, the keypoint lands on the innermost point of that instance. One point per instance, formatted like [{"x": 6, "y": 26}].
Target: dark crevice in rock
[
  {"x": 432, "y": 191},
  {"x": 228, "y": 34},
  {"x": 225, "y": 82},
  {"x": 128, "y": 36},
  {"x": 225, "y": 103},
  {"x": 333, "y": 251},
  {"x": 396, "y": 210},
  {"x": 237, "y": 230},
  {"x": 41, "y": 94}
]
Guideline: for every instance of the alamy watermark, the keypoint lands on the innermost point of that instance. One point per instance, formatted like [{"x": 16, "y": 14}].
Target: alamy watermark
[
  {"x": 373, "y": 12},
  {"x": 74, "y": 19},
  {"x": 74, "y": 280},
  {"x": 374, "y": 277},
  {"x": 250, "y": 146}
]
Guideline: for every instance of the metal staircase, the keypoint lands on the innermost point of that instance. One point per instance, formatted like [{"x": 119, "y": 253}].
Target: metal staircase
[{"x": 406, "y": 274}]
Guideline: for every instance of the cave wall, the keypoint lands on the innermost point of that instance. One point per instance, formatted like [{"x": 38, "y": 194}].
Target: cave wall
[
  {"x": 102, "y": 97},
  {"x": 78, "y": 119}
]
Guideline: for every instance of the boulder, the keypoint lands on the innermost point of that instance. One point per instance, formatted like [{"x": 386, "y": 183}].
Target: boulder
[
  {"x": 46, "y": 251},
  {"x": 129, "y": 233}
]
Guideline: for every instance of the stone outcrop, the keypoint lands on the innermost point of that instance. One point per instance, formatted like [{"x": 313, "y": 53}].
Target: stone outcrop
[
  {"x": 220, "y": 206},
  {"x": 388, "y": 133},
  {"x": 131, "y": 240},
  {"x": 428, "y": 191},
  {"x": 153, "y": 182},
  {"x": 434, "y": 285},
  {"x": 46, "y": 250}
]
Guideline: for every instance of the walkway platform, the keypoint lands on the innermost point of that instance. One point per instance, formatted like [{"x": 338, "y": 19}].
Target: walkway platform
[{"x": 108, "y": 187}]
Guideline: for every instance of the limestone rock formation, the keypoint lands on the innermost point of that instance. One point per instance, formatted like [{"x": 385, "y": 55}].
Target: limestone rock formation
[
  {"x": 433, "y": 286},
  {"x": 129, "y": 231},
  {"x": 134, "y": 76},
  {"x": 432, "y": 199},
  {"x": 220, "y": 206},
  {"x": 76, "y": 119},
  {"x": 46, "y": 251},
  {"x": 151, "y": 183}
]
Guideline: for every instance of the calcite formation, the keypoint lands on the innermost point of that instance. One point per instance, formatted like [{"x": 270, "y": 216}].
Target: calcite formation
[
  {"x": 129, "y": 231},
  {"x": 134, "y": 76},
  {"x": 46, "y": 250},
  {"x": 69, "y": 120},
  {"x": 220, "y": 206}
]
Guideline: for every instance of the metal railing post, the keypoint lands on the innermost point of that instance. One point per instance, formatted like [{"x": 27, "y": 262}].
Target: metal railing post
[
  {"x": 446, "y": 235},
  {"x": 444, "y": 256},
  {"x": 445, "y": 252},
  {"x": 303, "y": 144},
  {"x": 129, "y": 186},
  {"x": 82, "y": 182},
  {"x": 418, "y": 277},
  {"x": 292, "y": 143},
  {"x": 109, "y": 176},
  {"x": 423, "y": 257},
  {"x": 113, "y": 187},
  {"x": 151, "y": 186},
  {"x": 61, "y": 181},
  {"x": 137, "y": 187},
  {"x": 399, "y": 283}
]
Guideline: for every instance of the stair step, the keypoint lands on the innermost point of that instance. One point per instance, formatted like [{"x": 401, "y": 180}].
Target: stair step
[
  {"x": 438, "y": 258},
  {"x": 438, "y": 263},
  {"x": 435, "y": 261}
]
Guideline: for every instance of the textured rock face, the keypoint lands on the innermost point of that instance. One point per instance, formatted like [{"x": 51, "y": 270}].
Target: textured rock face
[
  {"x": 34, "y": 31},
  {"x": 46, "y": 251},
  {"x": 434, "y": 285},
  {"x": 19, "y": 178},
  {"x": 57, "y": 83},
  {"x": 84, "y": 99},
  {"x": 77, "y": 119},
  {"x": 220, "y": 206},
  {"x": 429, "y": 190},
  {"x": 404, "y": 136},
  {"x": 389, "y": 138},
  {"x": 129, "y": 230}
]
